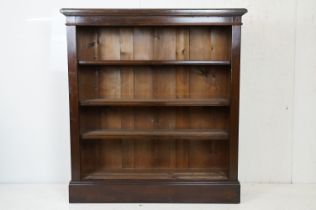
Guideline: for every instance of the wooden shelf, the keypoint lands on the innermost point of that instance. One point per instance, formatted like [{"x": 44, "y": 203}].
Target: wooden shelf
[
  {"x": 155, "y": 102},
  {"x": 152, "y": 62},
  {"x": 202, "y": 174},
  {"x": 191, "y": 134}
]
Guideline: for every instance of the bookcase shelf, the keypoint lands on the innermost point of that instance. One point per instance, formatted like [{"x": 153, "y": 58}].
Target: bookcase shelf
[
  {"x": 163, "y": 134},
  {"x": 154, "y": 104},
  {"x": 147, "y": 174},
  {"x": 152, "y": 62}
]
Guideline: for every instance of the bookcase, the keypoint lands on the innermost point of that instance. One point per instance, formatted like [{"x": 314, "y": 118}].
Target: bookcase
[{"x": 154, "y": 102}]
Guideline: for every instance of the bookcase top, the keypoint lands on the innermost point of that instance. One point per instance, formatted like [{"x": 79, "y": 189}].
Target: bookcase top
[{"x": 153, "y": 12}]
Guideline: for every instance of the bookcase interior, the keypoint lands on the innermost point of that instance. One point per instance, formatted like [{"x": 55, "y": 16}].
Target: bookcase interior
[
  {"x": 154, "y": 43},
  {"x": 154, "y": 121}
]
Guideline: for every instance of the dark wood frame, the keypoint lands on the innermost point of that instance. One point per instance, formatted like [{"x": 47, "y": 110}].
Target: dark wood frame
[{"x": 190, "y": 191}]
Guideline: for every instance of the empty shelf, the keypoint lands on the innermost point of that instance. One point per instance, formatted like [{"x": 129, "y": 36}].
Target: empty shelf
[
  {"x": 152, "y": 62},
  {"x": 155, "y": 102},
  {"x": 191, "y": 134},
  {"x": 203, "y": 174}
]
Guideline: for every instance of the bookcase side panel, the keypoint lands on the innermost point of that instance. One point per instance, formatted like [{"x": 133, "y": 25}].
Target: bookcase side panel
[
  {"x": 73, "y": 102},
  {"x": 234, "y": 106}
]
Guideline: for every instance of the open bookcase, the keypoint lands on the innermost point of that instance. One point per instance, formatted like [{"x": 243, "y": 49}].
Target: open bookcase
[{"x": 154, "y": 100}]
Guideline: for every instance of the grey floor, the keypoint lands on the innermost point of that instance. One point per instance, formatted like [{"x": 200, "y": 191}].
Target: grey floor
[{"x": 254, "y": 196}]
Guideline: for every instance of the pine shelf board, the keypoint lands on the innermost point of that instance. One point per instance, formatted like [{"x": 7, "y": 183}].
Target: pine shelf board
[
  {"x": 145, "y": 174},
  {"x": 155, "y": 102},
  {"x": 152, "y": 62},
  {"x": 190, "y": 134}
]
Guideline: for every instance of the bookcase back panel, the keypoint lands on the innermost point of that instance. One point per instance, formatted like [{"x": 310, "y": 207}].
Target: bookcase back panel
[
  {"x": 159, "y": 43},
  {"x": 153, "y": 118},
  {"x": 153, "y": 154},
  {"x": 153, "y": 82}
]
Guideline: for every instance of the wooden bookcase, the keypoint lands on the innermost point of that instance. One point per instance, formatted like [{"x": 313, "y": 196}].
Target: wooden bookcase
[{"x": 154, "y": 101}]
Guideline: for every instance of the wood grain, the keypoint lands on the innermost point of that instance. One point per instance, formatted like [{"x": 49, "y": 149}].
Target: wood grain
[
  {"x": 107, "y": 46},
  {"x": 182, "y": 92},
  {"x": 127, "y": 92}
]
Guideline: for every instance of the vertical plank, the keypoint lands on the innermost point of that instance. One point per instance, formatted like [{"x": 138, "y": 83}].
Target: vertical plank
[
  {"x": 126, "y": 53},
  {"x": 73, "y": 102},
  {"x": 87, "y": 50},
  {"x": 127, "y": 117},
  {"x": 200, "y": 118},
  {"x": 219, "y": 82},
  {"x": 87, "y": 44},
  {"x": 199, "y": 87},
  {"x": 88, "y": 88},
  {"x": 164, "y": 82},
  {"x": 234, "y": 107},
  {"x": 109, "y": 82},
  {"x": 208, "y": 82},
  {"x": 87, "y": 83},
  {"x": 164, "y": 87},
  {"x": 200, "y": 43},
  {"x": 205, "y": 44},
  {"x": 208, "y": 154},
  {"x": 199, "y": 82},
  {"x": 111, "y": 150},
  {"x": 218, "y": 117},
  {"x": 109, "y": 49},
  {"x": 220, "y": 43},
  {"x": 165, "y": 43},
  {"x": 143, "y": 43},
  {"x": 143, "y": 148},
  {"x": 126, "y": 43},
  {"x": 143, "y": 88},
  {"x": 127, "y": 92},
  {"x": 109, "y": 44},
  {"x": 182, "y": 91},
  {"x": 164, "y": 49},
  {"x": 89, "y": 119},
  {"x": 143, "y": 50},
  {"x": 182, "y": 43},
  {"x": 182, "y": 146},
  {"x": 182, "y": 82},
  {"x": 88, "y": 158},
  {"x": 110, "y": 87}
]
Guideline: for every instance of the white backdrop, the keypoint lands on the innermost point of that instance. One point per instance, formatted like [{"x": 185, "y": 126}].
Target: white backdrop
[{"x": 278, "y": 88}]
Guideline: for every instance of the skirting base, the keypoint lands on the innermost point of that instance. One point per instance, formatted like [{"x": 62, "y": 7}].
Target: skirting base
[{"x": 154, "y": 191}]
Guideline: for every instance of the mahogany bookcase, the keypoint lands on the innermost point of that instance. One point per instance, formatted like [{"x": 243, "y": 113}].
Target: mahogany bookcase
[{"x": 154, "y": 103}]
